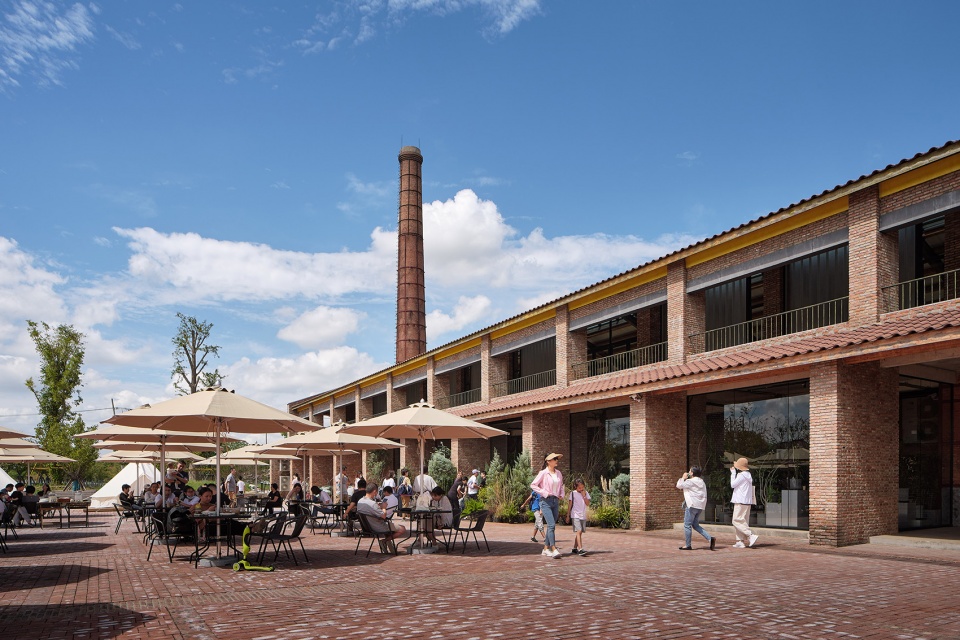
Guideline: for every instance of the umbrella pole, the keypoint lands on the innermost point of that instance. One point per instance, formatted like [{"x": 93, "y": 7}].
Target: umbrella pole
[
  {"x": 217, "y": 425},
  {"x": 421, "y": 462}
]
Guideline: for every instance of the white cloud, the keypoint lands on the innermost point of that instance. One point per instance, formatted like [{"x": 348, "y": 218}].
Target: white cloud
[
  {"x": 277, "y": 381},
  {"x": 280, "y": 184},
  {"x": 103, "y": 242},
  {"x": 321, "y": 327},
  {"x": 186, "y": 267},
  {"x": 40, "y": 39},
  {"x": 126, "y": 39},
  {"x": 27, "y": 292},
  {"x": 466, "y": 312},
  {"x": 688, "y": 157}
]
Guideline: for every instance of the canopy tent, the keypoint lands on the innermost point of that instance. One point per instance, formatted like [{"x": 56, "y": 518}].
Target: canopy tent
[
  {"x": 135, "y": 474},
  {"x": 5, "y": 479}
]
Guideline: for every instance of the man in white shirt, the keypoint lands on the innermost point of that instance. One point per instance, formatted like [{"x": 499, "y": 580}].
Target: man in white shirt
[
  {"x": 695, "y": 497},
  {"x": 166, "y": 500},
  {"x": 377, "y": 516},
  {"x": 473, "y": 485},
  {"x": 424, "y": 483},
  {"x": 342, "y": 483}
]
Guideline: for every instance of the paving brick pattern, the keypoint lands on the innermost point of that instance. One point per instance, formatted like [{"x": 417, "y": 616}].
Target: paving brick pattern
[{"x": 92, "y": 584}]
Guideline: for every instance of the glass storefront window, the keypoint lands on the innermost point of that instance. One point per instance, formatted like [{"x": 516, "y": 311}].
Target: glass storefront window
[
  {"x": 926, "y": 461},
  {"x": 769, "y": 425},
  {"x": 600, "y": 444}
]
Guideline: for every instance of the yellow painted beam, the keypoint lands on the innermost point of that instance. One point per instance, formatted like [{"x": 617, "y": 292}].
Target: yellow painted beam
[
  {"x": 735, "y": 243},
  {"x": 920, "y": 175},
  {"x": 457, "y": 348}
]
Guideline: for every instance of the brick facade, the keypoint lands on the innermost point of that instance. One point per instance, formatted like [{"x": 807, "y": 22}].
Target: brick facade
[
  {"x": 470, "y": 453},
  {"x": 658, "y": 456},
  {"x": 854, "y": 452},
  {"x": 545, "y": 433}
]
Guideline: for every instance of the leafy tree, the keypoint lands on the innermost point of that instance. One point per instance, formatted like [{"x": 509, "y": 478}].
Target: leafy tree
[
  {"x": 57, "y": 392},
  {"x": 191, "y": 356}
]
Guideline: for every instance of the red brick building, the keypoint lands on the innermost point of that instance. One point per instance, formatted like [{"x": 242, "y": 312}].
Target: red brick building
[{"x": 822, "y": 341}]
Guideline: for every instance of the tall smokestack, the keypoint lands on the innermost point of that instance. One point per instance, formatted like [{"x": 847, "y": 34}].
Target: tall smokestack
[{"x": 411, "y": 297}]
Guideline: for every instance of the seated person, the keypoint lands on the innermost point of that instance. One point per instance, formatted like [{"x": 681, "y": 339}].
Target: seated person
[
  {"x": 350, "y": 515},
  {"x": 150, "y": 493},
  {"x": 220, "y": 497},
  {"x": 166, "y": 500},
  {"x": 204, "y": 504},
  {"x": 274, "y": 500},
  {"x": 295, "y": 497},
  {"x": 30, "y": 505},
  {"x": 126, "y": 500},
  {"x": 189, "y": 497},
  {"x": 390, "y": 502},
  {"x": 322, "y": 501},
  {"x": 377, "y": 516},
  {"x": 435, "y": 500},
  {"x": 45, "y": 490}
]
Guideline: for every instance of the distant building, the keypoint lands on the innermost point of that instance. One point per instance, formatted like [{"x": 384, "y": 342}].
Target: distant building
[{"x": 822, "y": 341}]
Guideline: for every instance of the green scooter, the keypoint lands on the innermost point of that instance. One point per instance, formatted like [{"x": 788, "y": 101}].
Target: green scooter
[{"x": 243, "y": 564}]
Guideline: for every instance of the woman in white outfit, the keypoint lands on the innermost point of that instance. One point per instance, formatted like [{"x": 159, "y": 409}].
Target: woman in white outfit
[{"x": 742, "y": 483}]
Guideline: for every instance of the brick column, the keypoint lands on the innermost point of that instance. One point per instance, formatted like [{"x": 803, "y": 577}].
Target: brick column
[
  {"x": 545, "y": 433},
  {"x": 684, "y": 314},
  {"x": 431, "y": 391},
  {"x": 470, "y": 453},
  {"x": 563, "y": 355},
  {"x": 875, "y": 255},
  {"x": 854, "y": 452},
  {"x": 658, "y": 456},
  {"x": 485, "y": 368}
]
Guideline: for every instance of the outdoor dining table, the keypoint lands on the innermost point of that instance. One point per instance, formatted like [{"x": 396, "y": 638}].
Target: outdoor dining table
[
  {"x": 69, "y": 507},
  {"x": 214, "y": 535},
  {"x": 46, "y": 509},
  {"x": 419, "y": 530}
]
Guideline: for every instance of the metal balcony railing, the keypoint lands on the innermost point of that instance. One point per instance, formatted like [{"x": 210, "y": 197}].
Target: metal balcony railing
[
  {"x": 927, "y": 290},
  {"x": 526, "y": 383},
  {"x": 781, "y": 324},
  {"x": 617, "y": 362},
  {"x": 457, "y": 399}
]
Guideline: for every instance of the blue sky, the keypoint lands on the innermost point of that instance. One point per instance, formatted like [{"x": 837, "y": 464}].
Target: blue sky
[{"x": 238, "y": 162}]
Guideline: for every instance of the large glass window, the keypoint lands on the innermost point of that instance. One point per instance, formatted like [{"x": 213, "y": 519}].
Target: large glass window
[
  {"x": 926, "y": 448},
  {"x": 510, "y": 446},
  {"x": 817, "y": 278},
  {"x": 534, "y": 358},
  {"x": 611, "y": 337},
  {"x": 600, "y": 444},
  {"x": 769, "y": 425}
]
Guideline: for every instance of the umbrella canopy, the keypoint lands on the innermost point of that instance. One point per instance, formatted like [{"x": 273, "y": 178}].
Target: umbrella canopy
[
  {"x": 147, "y": 435},
  {"x": 122, "y": 445},
  {"x": 423, "y": 422},
  {"x": 17, "y": 443},
  {"x": 212, "y": 411},
  {"x": 31, "y": 455},
  {"x": 249, "y": 455},
  {"x": 10, "y": 433},
  {"x": 146, "y": 456}
]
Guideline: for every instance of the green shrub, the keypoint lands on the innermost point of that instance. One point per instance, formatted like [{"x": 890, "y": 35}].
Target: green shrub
[
  {"x": 472, "y": 506},
  {"x": 508, "y": 513},
  {"x": 495, "y": 468},
  {"x": 620, "y": 486},
  {"x": 609, "y": 516},
  {"x": 441, "y": 468}
]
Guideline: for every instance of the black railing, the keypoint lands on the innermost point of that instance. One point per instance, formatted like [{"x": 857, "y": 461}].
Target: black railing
[
  {"x": 922, "y": 291},
  {"x": 781, "y": 324},
  {"x": 526, "y": 383},
  {"x": 457, "y": 399},
  {"x": 617, "y": 362}
]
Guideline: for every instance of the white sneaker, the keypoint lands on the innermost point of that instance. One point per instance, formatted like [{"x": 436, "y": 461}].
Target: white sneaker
[
  {"x": 546, "y": 552},
  {"x": 556, "y": 553},
  {"x": 753, "y": 540},
  {"x": 739, "y": 545}
]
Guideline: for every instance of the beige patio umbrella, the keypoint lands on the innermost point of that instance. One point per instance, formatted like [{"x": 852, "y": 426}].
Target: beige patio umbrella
[
  {"x": 423, "y": 422},
  {"x": 17, "y": 443},
  {"x": 248, "y": 455},
  {"x": 332, "y": 441},
  {"x": 213, "y": 412},
  {"x": 10, "y": 433},
  {"x": 30, "y": 455}
]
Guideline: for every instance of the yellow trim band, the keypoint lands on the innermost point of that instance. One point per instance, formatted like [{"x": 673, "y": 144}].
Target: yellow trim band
[
  {"x": 920, "y": 175},
  {"x": 523, "y": 323},
  {"x": 619, "y": 287},
  {"x": 454, "y": 350}
]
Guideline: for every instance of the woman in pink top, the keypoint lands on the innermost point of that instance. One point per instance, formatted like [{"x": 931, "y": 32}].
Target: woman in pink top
[{"x": 549, "y": 484}]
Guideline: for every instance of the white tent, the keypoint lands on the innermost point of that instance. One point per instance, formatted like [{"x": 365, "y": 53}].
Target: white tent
[
  {"x": 135, "y": 474},
  {"x": 5, "y": 479}
]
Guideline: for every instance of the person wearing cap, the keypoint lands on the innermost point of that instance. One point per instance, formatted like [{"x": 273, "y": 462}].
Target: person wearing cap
[
  {"x": 549, "y": 485},
  {"x": 695, "y": 499},
  {"x": 742, "y": 484},
  {"x": 473, "y": 485}
]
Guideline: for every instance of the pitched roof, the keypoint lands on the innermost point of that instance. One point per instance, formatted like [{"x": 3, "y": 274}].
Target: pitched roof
[{"x": 941, "y": 317}]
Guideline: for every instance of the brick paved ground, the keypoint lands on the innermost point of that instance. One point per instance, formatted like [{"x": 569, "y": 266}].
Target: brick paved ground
[{"x": 89, "y": 583}]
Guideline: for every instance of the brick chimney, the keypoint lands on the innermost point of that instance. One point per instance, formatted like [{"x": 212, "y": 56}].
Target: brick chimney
[{"x": 411, "y": 297}]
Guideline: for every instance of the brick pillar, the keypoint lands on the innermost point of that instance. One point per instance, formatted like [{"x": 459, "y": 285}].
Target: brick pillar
[
  {"x": 353, "y": 462},
  {"x": 485, "y": 369},
  {"x": 563, "y": 356},
  {"x": 470, "y": 453},
  {"x": 410, "y": 455},
  {"x": 875, "y": 255},
  {"x": 274, "y": 471},
  {"x": 545, "y": 433},
  {"x": 951, "y": 241},
  {"x": 576, "y": 350},
  {"x": 854, "y": 452},
  {"x": 684, "y": 314},
  {"x": 431, "y": 395},
  {"x": 658, "y": 456},
  {"x": 773, "y": 291}
]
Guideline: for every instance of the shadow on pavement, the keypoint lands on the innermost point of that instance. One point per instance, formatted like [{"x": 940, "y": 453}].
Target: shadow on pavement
[
  {"x": 97, "y": 620},
  {"x": 14, "y": 578}
]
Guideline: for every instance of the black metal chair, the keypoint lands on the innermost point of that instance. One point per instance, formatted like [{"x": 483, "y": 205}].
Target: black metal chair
[
  {"x": 271, "y": 527},
  {"x": 367, "y": 531},
  {"x": 471, "y": 525},
  {"x": 284, "y": 540},
  {"x": 170, "y": 526},
  {"x": 126, "y": 514}
]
